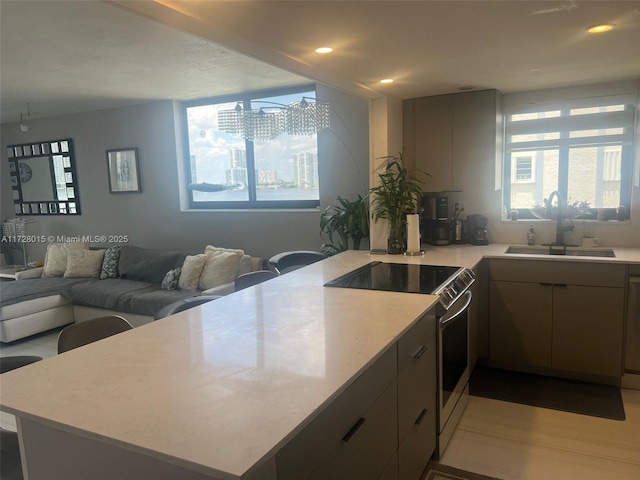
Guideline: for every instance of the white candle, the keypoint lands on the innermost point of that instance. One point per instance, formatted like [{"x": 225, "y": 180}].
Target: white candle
[{"x": 413, "y": 233}]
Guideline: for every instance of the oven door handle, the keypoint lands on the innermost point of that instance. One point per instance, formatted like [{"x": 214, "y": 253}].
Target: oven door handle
[{"x": 468, "y": 295}]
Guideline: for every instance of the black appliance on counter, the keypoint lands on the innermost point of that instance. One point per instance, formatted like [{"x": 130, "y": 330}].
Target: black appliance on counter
[
  {"x": 477, "y": 226},
  {"x": 436, "y": 225},
  {"x": 451, "y": 284}
]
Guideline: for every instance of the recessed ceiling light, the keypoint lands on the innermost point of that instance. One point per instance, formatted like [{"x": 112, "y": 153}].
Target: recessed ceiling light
[
  {"x": 386, "y": 80},
  {"x": 324, "y": 50},
  {"x": 605, "y": 27}
]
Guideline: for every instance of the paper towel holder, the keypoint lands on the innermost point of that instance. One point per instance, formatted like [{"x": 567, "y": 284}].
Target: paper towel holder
[{"x": 413, "y": 236}]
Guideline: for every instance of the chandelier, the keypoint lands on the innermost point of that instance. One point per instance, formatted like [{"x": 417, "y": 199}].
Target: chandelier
[{"x": 297, "y": 118}]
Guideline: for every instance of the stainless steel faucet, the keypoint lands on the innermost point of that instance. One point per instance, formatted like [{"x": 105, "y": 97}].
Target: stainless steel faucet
[{"x": 560, "y": 228}]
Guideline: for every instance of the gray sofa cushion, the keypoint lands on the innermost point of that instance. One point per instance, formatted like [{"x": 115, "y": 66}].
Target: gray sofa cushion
[
  {"x": 150, "y": 300},
  {"x": 102, "y": 293},
  {"x": 28, "y": 289},
  {"x": 148, "y": 265}
]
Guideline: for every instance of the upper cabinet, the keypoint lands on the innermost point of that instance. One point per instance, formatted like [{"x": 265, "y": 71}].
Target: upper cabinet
[{"x": 455, "y": 138}]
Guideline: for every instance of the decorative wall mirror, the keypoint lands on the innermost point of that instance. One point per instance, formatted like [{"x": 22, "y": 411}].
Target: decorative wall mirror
[{"x": 43, "y": 178}]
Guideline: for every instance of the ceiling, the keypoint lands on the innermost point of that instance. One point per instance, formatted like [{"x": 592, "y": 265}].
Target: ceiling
[{"x": 66, "y": 57}]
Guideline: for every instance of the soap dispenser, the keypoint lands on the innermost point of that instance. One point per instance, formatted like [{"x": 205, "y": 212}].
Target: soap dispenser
[{"x": 531, "y": 236}]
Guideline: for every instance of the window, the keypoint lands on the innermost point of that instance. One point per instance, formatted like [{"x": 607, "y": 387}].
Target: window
[
  {"x": 227, "y": 171},
  {"x": 523, "y": 168},
  {"x": 581, "y": 148}
]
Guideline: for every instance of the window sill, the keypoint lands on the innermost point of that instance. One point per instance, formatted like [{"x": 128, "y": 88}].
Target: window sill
[
  {"x": 249, "y": 210},
  {"x": 576, "y": 221}
]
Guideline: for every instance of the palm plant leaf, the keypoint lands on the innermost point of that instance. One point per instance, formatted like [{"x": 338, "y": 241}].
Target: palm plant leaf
[
  {"x": 349, "y": 220},
  {"x": 397, "y": 193}
]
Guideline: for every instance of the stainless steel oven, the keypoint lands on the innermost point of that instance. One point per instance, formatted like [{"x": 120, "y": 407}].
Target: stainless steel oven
[
  {"x": 453, "y": 366},
  {"x": 451, "y": 284}
]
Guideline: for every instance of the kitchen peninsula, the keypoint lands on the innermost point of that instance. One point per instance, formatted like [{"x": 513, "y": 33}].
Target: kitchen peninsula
[{"x": 219, "y": 390}]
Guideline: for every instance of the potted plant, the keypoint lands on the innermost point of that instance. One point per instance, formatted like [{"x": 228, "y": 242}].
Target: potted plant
[
  {"x": 347, "y": 221},
  {"x": 397, "y": 194}
]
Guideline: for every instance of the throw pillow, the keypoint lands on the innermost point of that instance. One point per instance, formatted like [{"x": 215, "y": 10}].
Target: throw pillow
[
  {"x": 221, "y": 267},
  {"x": 191, "y": 270},
  {"x": 110, "y": 263},
  {"x": 170, "y": 280},
  {"x": 55, "y": 259},
  {"x": 84, "y": 263}
]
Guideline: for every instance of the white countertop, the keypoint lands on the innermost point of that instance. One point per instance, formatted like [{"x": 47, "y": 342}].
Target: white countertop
[
  {"x": 219, "y": 388},
  {"x": 468, "y": 255}
]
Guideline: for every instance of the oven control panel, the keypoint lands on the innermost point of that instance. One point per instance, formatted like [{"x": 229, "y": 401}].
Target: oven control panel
[{"x": 455, "y": 287}]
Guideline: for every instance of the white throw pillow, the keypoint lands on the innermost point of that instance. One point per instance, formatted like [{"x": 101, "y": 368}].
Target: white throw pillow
[
  {"x": 84, "y": 263},
  {"x": 55, "y": 260},
  {"x": 191, "y": 270},
  {"x": 221, "y": 266}
]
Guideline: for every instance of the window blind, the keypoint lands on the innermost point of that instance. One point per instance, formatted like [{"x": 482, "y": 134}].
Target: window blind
[{"x": 573, "y": 123}]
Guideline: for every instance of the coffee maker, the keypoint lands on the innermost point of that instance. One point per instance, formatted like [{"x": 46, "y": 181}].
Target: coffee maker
[
  {"x": 437, "y": 229},
  {"x": 477, "y": 225}
]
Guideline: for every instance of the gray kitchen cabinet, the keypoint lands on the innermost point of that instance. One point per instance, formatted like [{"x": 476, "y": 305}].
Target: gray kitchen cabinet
[
  {"x": 452, "y": 137},
  {"x": 417, "y": 386},
  {"x": 383, "y": 426},
  {"x": 365, "y": 454},
  {"x": 428, "y": 139},
  {"x": 357, "y": 430},
  {"x": 479, "y": 315},
  {"x": 588, "y": 329},
  {"x": 391, "y": 470},
  {"x": 521, "y": 323},
  {"x": 565, "y": 316}
]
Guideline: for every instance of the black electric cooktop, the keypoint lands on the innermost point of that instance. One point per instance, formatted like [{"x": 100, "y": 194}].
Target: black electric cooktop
[{"x": 396, "y": 277}]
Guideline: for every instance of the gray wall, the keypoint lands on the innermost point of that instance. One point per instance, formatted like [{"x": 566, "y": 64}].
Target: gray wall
[{"x": 153, "y": 218}]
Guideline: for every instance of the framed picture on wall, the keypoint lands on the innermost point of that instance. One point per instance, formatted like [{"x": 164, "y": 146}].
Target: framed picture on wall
[{"x": 123, "y": 170}]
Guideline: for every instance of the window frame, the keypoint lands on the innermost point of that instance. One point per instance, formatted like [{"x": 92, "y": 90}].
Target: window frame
[
  {"x": 564, "y": 145},
  {"x": 252, "y": 203},
  {"x": 532, "y": 171}
]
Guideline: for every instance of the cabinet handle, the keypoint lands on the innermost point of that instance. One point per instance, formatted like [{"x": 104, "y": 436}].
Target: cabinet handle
[
  {"x": 546, "y": 284},
  {"x": 559, "y": 284},
  {"x": 421, "y": 416},
  {"x": 352, "y": 431},
  {"x": 420, "y": 352}
]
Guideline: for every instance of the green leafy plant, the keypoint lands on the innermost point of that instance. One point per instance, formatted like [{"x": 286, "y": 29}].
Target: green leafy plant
[
  {"x": 397, "y": 194},
  {"x": 349, "y": 220}
]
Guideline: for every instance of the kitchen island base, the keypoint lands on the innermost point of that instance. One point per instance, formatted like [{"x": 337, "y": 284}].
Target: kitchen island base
[{"x": 49, "y": 453}]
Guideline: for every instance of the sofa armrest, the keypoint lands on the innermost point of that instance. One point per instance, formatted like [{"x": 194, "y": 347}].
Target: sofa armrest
[
  {"x": 259, "y": 263},
  {"x": 31, "y": 273},
  {"x": 224, "y": 289}
]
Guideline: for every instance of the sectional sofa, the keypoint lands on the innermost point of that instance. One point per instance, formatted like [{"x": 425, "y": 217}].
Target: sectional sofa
[{"x": 77, "y": 283}]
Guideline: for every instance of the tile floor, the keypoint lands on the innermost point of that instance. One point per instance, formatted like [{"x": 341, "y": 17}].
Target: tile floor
[
  {"x": 520, "y": 442},
  {"x": 501, "y": 439}
]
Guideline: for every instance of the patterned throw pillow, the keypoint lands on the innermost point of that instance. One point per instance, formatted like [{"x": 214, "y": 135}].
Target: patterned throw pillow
[
  {"x": 170, "y": 280},
  {"x": 110, "y": 263}
]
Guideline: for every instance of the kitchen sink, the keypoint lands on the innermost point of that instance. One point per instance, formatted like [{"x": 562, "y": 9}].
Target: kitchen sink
[{"x": 555, "y": 250}]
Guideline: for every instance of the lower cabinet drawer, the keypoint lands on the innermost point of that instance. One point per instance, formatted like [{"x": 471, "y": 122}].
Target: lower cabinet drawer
[
  {"x": 365, "y": 450},
  {"x": 418, "y": 446},
  {"x": 321, "y": 443},
  {"x": 417, "y": 380}
]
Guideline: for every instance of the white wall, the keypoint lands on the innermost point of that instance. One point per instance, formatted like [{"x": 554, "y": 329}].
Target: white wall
[
  {"x": 385, "y": 125},
  {"x": 153, "y": 218}
]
